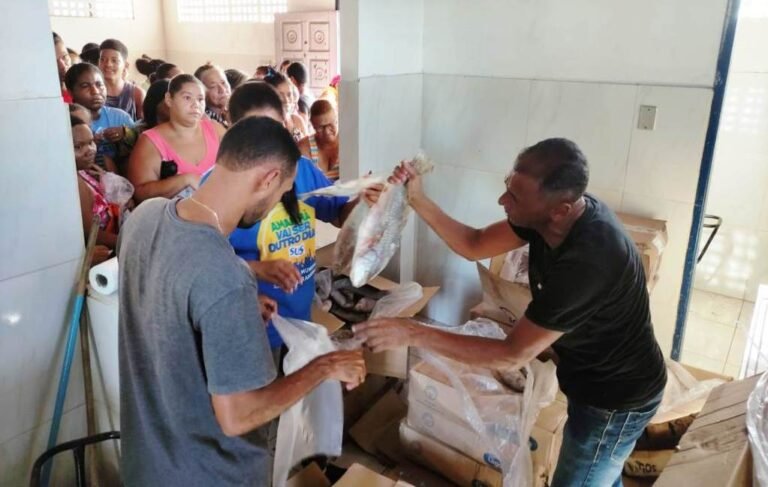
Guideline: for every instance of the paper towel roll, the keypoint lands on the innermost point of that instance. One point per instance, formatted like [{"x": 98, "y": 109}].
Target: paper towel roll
[{"x": 103, "y": 277}]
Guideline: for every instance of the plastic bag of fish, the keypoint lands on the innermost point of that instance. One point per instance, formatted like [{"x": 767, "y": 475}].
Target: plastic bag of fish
[{"x": 370, "y": 236}]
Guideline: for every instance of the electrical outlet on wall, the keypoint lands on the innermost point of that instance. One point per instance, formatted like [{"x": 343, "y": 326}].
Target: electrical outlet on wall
[{"x": 646, "y": 120}]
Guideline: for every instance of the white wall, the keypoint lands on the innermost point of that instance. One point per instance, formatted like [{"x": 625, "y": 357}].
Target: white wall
[
  {"x": 41, "y": 244},
  {"x": 144, "y": 34},
  {"x": 499, "y": 75},
  {"x": 737, "y": 261},
  {"x": 241, "y": 46}
]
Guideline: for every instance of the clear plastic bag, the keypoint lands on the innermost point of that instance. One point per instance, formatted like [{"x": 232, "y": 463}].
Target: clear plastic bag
[
  {"x": 505, "y": 425},
  {"x": 397, "y": 300},
  {"x": 116, "y": 188},
  {"x": 314, "y": 425},
  {"x": 515, "y": 268},
  {"x": 683, "y": 394},
  {"x": 757, "y": 430}
]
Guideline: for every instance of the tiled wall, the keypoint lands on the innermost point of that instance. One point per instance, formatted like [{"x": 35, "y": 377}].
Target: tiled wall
[
  {"x": 500, "y": 75},
  {"x": 737, "y": 261},
  {"x": 41, "y": 243}
]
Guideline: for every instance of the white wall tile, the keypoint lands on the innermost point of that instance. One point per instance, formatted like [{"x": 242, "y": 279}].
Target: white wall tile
[
  {"x": 349, "y": 130},
  {"x": 389, "y": 121},
  {"x": 31, "y": 76},
  {"x": 390, "y": 37},
  {"x": 747, "y": 55},
  {"x": 39, "y": 204},
  {"x": 636, "y": 42},
  {"x": 715, "y": 307},
  {"x": 471, "y": 199},
  {"x": 475, "y": 122},
  {"x": 666, "y": 293},
  {"x": 18, "y": 455},
  {"x": 598, "y": 117},
  {"x": 729, "y": 261},
  {"x": 740, "y": 166},
  {"x": 665, "y": 162},
  {"x": 34, "y": 317},
  {"x": 708, "y": 338},
  {"x": 759, "y": 272}
]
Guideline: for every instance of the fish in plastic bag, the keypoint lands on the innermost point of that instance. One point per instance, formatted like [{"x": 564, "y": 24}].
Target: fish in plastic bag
[
  {"x": 314, "y": 425},
  {"x": 371, "y": 235}
]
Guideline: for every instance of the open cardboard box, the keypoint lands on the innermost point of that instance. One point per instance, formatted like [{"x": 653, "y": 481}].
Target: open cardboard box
[
  {"x": 714, "y": 452},
  {"x": 392, "y": 363},
  {"x": 356, "y": 476}
]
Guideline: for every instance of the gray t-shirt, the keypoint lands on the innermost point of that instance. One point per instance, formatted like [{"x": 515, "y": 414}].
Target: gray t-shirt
[{"x": 190, "y": 326}]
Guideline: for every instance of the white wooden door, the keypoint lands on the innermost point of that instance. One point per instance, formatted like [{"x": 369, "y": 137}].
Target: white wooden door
[{"x": 312, "y": 38}]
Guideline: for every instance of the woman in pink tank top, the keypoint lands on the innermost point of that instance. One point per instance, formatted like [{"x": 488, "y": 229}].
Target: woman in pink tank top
[{"x": 170, "y": 158}]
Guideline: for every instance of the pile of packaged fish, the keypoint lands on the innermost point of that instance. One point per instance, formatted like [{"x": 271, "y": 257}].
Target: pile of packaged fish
[{"x": 337, "y": 295}]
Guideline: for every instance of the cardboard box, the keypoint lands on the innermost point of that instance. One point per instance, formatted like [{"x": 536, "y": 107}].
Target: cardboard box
[
  {"x": 356, "y": 476},
  {"x": 714, "y": 452},
  {"x": 647, "y": 463},
  {"x": 451, "y": 464},
  {"x": 388, "y": 410},
  {"x": 392, "y": 363},
  {"x": 547, "y": 438},
  {"x": 650, "y": 237}
]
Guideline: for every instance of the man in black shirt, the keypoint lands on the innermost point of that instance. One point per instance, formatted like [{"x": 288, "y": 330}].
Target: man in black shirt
[{"x": 590, "y": 303}]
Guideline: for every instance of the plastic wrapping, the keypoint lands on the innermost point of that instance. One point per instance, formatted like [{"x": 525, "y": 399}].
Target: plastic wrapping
[
  {"x": 683, "y": 394},
  {"x": 397, "y": 300},
  {"x": 505, "y": 425},
  {"x": 116, "y": 188},
  {"x": 371, "y": 235},
  {"x": 515, "y": 268},
  {"x": 314, "y": 425},
  {"x": 757, "y": 430},
  {"x": 346, "y": 188}
]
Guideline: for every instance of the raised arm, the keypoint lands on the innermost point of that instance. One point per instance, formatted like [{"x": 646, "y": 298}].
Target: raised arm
[{"x": 469, "y": 242}]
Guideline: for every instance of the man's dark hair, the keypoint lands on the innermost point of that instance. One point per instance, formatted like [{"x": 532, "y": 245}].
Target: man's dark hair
[
  {"x": 115, "y": 45},
  {"x": 298, "y": 72},
  {"x": 56, "y": 38},
  {"x": 253, "y": 141},
  {"x": 253, "y": 95},
  {"x": 90, "y": 55},
  {"x": 74, "y": 73},
  {"x": 559, "y": 166}
]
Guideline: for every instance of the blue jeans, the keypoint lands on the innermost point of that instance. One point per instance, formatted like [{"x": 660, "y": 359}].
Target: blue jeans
[{"x": 597, "y": 442}]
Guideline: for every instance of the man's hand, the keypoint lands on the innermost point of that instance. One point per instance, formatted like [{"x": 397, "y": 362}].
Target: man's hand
[
  {"x": 192, "y": 179},
  {"x": 281, "y": 273},
  {"x": 405, "y": 174},
  {"x": 387, "y": 333},
  {"x": 347, "y": 366},
  {"x": 371, "y": 194},
  {"x": 114, "y": 134},
  {"x": 268, "y": 307}
]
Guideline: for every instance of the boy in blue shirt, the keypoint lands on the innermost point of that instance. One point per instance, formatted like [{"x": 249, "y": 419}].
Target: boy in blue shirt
[{"x": 110, "y": 125}]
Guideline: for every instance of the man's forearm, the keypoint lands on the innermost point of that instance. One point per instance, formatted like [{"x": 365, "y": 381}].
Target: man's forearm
[
  {"x": 458, "y": 236},
  {"x": 256, "y": 408},
  {"x": 477, "y": 351}
]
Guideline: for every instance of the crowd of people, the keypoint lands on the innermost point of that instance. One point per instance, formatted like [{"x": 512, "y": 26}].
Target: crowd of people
[
  {"x": 210, "y": 165},
  {"x": 162, "y": 134}
]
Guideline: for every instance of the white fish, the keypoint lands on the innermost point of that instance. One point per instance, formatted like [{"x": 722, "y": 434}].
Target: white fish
[
  {"x": 371, "y": 235},
  {"x": 346, "y": 188}
]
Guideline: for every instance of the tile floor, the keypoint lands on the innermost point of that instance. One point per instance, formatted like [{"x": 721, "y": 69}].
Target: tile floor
[{"x": 715, "y": 335}]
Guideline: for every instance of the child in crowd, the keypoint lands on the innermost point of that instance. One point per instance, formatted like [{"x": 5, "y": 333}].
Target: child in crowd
[{"x": 122, "y": 94}]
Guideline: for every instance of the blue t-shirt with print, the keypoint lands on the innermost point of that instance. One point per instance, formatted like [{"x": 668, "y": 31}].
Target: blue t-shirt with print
[
  {"x": 275, "y": 237},
  {"x": 110, "y": 117}
]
